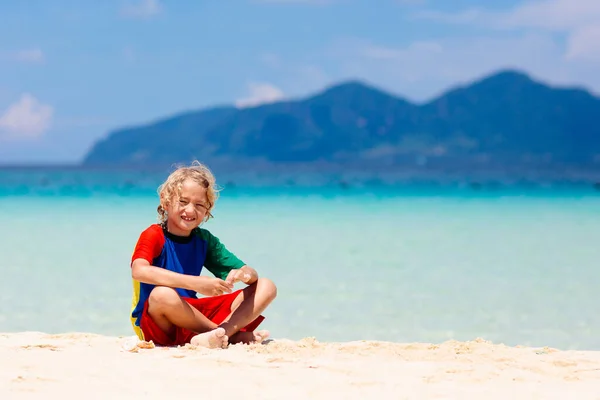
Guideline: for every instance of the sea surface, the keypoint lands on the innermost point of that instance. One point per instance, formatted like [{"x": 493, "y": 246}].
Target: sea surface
[{"x": 353, "y": 259}]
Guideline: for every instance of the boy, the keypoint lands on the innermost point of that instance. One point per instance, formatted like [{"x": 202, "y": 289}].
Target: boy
[{"x": 166, "y": 266}]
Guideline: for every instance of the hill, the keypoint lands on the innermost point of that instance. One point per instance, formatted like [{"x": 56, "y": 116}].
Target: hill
[{"x": 505, "y": 120}]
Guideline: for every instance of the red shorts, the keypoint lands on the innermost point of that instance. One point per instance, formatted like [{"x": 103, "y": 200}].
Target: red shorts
[{"x": 215, "y": 308}]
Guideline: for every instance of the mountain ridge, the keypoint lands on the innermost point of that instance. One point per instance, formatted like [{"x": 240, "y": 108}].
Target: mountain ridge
[{"x": 498, "y": 121}]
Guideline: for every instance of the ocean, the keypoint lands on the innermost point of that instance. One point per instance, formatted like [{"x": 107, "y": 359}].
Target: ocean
[{"x": 352, "y": 260}]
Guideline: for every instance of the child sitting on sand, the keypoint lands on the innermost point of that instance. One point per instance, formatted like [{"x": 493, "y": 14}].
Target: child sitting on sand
[{"x": 166, "y": 266}]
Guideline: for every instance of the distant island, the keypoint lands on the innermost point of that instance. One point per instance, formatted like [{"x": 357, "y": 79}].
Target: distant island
[{"x": 505, "y": 121}]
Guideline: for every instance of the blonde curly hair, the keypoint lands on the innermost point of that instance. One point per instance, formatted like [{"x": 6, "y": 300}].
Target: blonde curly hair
[{"x": 171, "y": 188}]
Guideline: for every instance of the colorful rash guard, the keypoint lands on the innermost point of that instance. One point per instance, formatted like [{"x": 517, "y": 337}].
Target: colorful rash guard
[{"x": 186, "y": 255}]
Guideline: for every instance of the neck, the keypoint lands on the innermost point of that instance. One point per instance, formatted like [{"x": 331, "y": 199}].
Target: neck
[{"x": 176, "y": 231}]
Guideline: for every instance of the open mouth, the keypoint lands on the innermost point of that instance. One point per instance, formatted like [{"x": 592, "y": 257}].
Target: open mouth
[{"x": 187, "y": 219}]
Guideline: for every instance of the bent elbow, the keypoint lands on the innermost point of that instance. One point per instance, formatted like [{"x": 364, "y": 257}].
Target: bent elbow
[{"x": 137, "y": 271}]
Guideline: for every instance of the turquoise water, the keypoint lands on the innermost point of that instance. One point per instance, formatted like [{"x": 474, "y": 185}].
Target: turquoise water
[{"x": 515, "y": 265}]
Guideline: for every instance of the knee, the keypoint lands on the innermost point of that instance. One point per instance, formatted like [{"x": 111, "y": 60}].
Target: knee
[
  {"x": 266, "y": 287},
  {"x": 163, "y": 297}
]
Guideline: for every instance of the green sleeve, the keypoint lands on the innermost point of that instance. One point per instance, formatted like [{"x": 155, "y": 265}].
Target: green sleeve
[{"x": 219, "y": 261}]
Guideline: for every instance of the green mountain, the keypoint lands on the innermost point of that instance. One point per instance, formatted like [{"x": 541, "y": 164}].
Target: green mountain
[{"x": 506, "y": 120}]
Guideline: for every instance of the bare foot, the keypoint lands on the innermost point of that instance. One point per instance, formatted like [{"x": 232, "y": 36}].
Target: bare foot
[
  {"x": 261, "y": 336},
  {"x": 214, "y": 339},
  {"x": 250, "y": 337}
]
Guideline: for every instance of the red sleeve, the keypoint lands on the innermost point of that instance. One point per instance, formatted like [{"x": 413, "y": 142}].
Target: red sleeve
[{"x": 150, "y": 244}]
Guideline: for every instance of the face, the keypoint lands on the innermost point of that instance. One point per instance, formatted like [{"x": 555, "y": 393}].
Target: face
[{"x": 187, "y": 211}]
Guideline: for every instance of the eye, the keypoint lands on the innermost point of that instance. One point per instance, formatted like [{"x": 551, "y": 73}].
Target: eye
[{"x": 182, "y": 202}]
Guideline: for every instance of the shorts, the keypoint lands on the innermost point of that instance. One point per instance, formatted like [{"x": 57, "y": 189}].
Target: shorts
[{"x": 215, "y": 308}]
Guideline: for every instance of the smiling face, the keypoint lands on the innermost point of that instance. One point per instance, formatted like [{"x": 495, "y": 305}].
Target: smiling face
[
  {"x": 187, "y": 198},
  {"x": 187, "y": 209}
]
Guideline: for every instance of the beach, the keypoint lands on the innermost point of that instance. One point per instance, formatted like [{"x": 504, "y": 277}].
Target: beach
[
  {"x": 381, "y": 294},
  {"x": 80, "y": 365}
]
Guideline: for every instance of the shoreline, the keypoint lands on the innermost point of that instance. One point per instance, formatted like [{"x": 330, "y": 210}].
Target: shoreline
[{"x": 39, "y": 365}]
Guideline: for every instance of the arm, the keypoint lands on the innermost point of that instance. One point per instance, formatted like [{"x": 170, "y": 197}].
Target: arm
[
  {"x": 142, "y": 271},
  {"x": 225, "y": 265},
  {"x": 148, "y": 247}
]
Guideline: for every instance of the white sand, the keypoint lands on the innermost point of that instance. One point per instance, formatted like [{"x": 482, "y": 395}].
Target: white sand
[{"x": 69, "y": 366}]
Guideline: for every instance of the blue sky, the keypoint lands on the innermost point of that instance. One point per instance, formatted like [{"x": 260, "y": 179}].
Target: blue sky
[{"x": 72, "y": 71}]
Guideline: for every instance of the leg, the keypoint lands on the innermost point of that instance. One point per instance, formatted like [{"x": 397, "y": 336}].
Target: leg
[
  {"x": 168, "y": 310},
  {"x": 249, "y": 304}
]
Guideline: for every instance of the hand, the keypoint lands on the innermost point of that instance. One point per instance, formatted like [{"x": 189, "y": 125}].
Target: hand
[
  {"x": 214, "y": 286},
  {"x": 244, "y": 274}
]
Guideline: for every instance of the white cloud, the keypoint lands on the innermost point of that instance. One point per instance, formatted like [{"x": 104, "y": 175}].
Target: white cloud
[
  {"x": 577, "y": 22},
  {"x": 260, "y": 93},
  {"x": 29, "y": 56},
  {"x": 559, "y": 15},
  {"x": 26, "y": 118},
  {"x": 584, "y": 44},
  {"x": 142, "y": 9},
  {"x": 554, "y": 15},
  {"x": 421, "y": 70}
]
